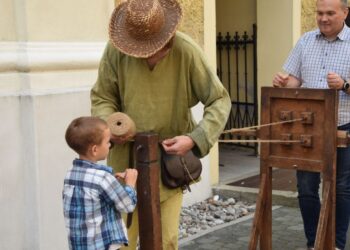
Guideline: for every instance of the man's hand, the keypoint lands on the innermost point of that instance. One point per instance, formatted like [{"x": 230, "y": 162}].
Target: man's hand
[
  {"x": 280, "y": 80},
  {"x": 334, "y": 81},
  {"x": 178, "y": 145},
  {"x": 285, "y": 80}
]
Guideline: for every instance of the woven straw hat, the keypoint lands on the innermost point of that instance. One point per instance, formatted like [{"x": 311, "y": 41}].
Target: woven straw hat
[{"x": 140, "y": 28}]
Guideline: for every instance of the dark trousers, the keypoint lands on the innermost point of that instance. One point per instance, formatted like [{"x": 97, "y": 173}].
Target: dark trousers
[{"x": 309, "y": 200}]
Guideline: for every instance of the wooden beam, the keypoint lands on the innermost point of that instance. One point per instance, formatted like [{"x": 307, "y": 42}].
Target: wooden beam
[{"x": 146, "y": 156}]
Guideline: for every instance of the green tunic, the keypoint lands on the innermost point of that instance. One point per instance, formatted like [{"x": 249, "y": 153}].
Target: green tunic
[{"x": 160, "y": 100}]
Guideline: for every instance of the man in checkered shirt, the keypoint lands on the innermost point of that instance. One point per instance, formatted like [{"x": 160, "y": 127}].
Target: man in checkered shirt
[
  {"x": 92, "y": 196},
  {"x": 321, "y": 59}
]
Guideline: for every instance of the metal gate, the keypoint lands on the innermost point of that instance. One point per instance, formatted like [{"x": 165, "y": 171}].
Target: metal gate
[{"x": 237, "y": 70}]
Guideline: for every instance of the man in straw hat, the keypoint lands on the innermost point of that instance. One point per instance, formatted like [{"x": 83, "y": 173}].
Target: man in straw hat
[{"x": 156, "y": 75}]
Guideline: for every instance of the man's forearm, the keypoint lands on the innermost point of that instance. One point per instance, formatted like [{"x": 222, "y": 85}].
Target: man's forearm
[{"x": 293, "y": 82}]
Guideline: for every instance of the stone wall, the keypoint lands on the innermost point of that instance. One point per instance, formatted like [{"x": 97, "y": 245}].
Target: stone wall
[
  {"x": 308, "y": 21},
  {"x": 193, "y": 19}
]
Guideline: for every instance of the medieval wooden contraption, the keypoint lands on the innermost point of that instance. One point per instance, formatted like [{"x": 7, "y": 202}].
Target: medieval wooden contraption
[{"x": 298, "y": 131}]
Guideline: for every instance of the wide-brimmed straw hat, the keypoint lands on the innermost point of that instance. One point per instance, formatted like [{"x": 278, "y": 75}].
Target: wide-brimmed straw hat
[{"x": 140, "y": 28}]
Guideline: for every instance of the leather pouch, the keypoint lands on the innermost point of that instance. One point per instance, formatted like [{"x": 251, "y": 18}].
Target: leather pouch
[{"x": 180, "y": 171}]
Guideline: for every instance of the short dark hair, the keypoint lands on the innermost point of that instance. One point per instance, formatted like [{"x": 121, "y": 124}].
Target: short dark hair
[
  {"x": 344, "y": 3},
  {"x": 85, "y": 131},
  {"x": 347, "y": 19}
]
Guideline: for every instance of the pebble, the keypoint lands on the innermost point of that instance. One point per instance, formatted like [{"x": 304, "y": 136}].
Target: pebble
[{"x": 211, "y": 212}]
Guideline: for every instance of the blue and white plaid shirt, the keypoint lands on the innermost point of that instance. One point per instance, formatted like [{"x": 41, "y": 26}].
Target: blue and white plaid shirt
[
  {"x": 92, "y": 201},
  {"x": 313, "y": 57}
]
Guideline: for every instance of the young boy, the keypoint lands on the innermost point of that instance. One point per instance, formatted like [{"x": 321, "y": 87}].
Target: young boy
[{"x": 92, "y": 196}]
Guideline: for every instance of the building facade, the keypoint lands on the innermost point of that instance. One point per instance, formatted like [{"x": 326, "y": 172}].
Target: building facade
[{"x": 49, "y": 55}]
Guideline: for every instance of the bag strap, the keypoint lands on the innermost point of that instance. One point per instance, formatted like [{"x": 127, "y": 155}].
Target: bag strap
[{"x": 184, "y": 165}]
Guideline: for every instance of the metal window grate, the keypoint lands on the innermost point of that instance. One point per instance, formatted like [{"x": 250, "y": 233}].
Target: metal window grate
[{"x": 237, "y": 70}]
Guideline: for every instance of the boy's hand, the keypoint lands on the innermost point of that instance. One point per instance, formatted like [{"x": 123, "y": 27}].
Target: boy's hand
[
  {"x": 129, "y": 176},
  {"x": 120, "y": 175}
]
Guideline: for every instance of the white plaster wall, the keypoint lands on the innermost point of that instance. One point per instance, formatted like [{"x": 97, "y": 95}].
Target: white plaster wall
[
  {"x": 12, "y": 214},
  {"x": 35, "y": 162},
  {"x": 42, "y": 88},
  {"x": 65, "y": 20},
  {"x": 7, "y": 21},
  {"x": 53, "y": 113}
]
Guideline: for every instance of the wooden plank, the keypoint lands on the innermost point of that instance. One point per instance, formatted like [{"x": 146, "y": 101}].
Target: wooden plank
[
  {"x": 296, "y": 163},
  {"x": 329, "y": 158},
  {"x": 259, "y": 213},
  {"x": 323, "y": 220},
  {"x": 146, "y": 156},
  {"x": 266, "y": 225},
  {"x": 295, "y": 93}
]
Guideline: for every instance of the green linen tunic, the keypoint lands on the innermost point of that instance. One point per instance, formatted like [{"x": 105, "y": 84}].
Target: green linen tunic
[{"x": 160, "y": 100}]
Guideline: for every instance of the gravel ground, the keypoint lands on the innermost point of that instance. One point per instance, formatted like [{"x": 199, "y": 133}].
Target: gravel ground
[{"x": 210, "y": 213}]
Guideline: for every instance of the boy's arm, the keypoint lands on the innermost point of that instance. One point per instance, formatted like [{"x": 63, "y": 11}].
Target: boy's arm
[
  {"x": 129, "y": 176},
  {"x": 123, "y": 197}
]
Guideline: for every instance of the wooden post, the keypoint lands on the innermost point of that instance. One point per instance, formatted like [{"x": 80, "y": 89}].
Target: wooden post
[{"x": 146, "y": 156}]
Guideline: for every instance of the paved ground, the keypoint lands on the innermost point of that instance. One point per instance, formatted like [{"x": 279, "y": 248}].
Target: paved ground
[
  {"x": 237, "y": 164},
  {"x": 287, "y": 231}
]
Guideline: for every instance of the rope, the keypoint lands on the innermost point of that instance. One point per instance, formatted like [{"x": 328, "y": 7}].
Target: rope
[
  {"x": 260, "y": 126},
  {"x": 188, "y": 172},
  {"x": 263, "y": 141}
]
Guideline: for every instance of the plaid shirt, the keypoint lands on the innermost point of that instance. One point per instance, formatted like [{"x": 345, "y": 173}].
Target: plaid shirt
[
  {"x": 313, "y": 57},
  {"x": 92, "y": 202}
]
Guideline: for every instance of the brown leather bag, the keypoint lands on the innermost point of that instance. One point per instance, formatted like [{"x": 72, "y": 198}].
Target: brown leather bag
[{"x": 180, "y": 171}]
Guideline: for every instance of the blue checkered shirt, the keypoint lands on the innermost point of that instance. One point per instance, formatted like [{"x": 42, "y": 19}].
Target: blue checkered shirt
[
  {"x": 92, "y": 201},
  {"x": 313, "y": 57}
]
